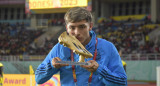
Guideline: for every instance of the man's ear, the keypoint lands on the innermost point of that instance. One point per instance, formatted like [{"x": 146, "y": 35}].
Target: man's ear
[{"x": 91, "y": 26}]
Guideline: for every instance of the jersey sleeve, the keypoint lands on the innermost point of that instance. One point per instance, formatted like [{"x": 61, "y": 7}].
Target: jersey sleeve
[
  {"x": 46, "y": 70},
  {"x": 112, "y": 72}
]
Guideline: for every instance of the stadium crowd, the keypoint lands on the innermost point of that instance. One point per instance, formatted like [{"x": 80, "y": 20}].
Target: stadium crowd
[
  {"x": 129, "y": 37},
  {"x": 15, "y": 38},
  {"x": 56, "y": 22}
]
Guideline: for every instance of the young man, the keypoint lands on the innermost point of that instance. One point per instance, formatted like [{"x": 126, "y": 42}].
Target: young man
[{"x": 105, "y": 69}]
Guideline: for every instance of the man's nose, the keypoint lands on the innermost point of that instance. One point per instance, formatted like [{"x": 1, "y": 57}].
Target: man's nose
[{"x": 76, "y": 32}]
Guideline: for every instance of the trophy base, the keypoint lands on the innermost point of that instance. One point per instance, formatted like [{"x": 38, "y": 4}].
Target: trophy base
[{"x": 73, "y": 63}]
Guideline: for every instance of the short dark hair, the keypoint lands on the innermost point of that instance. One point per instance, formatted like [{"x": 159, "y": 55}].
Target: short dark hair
[{"x": 77, "y": 14}]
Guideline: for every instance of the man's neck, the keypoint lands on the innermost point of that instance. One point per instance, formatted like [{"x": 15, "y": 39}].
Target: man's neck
[{"x": 87, "y": 41}]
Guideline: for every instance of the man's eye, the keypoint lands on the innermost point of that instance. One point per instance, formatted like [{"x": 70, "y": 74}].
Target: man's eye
[
  {"x": 72, "y": 27},
  {"x": 82, "y": 26}
]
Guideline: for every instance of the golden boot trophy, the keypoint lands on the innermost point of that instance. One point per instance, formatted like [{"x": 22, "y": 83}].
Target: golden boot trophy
[{"x": 74, "y": 44}]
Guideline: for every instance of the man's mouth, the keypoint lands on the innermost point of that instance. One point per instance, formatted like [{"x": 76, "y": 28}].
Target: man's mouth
[{"x": 78, "y": 38}]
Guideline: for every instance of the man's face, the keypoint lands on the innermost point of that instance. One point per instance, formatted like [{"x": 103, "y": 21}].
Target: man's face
[{"x": 80, "y": 30}]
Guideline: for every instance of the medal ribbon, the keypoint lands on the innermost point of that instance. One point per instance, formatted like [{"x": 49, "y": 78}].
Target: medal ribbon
[{"x": 73, "y": 66}]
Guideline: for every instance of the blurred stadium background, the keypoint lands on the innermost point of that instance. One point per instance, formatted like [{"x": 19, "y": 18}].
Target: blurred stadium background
[{"x": 30, "y": 28}]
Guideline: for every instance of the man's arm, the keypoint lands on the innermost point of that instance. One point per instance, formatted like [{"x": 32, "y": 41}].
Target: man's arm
[
  {"x": 112, "y": 73},
  {"x": 46, "y": 70},
  {"x": 112, "y": 78}
]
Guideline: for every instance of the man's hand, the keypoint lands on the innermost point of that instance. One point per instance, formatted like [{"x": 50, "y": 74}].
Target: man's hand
[
  {"x": 57, "y": 65},
  {"x": 92, "y": 67}
]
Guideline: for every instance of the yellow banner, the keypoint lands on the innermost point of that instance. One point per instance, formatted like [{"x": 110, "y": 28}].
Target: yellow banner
[
  {"x": 17, "y": 80},
  {"x": 45, "y": 4},
  {"x": 133, "y": 17},
  {"x": 28, "y": 80}
]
